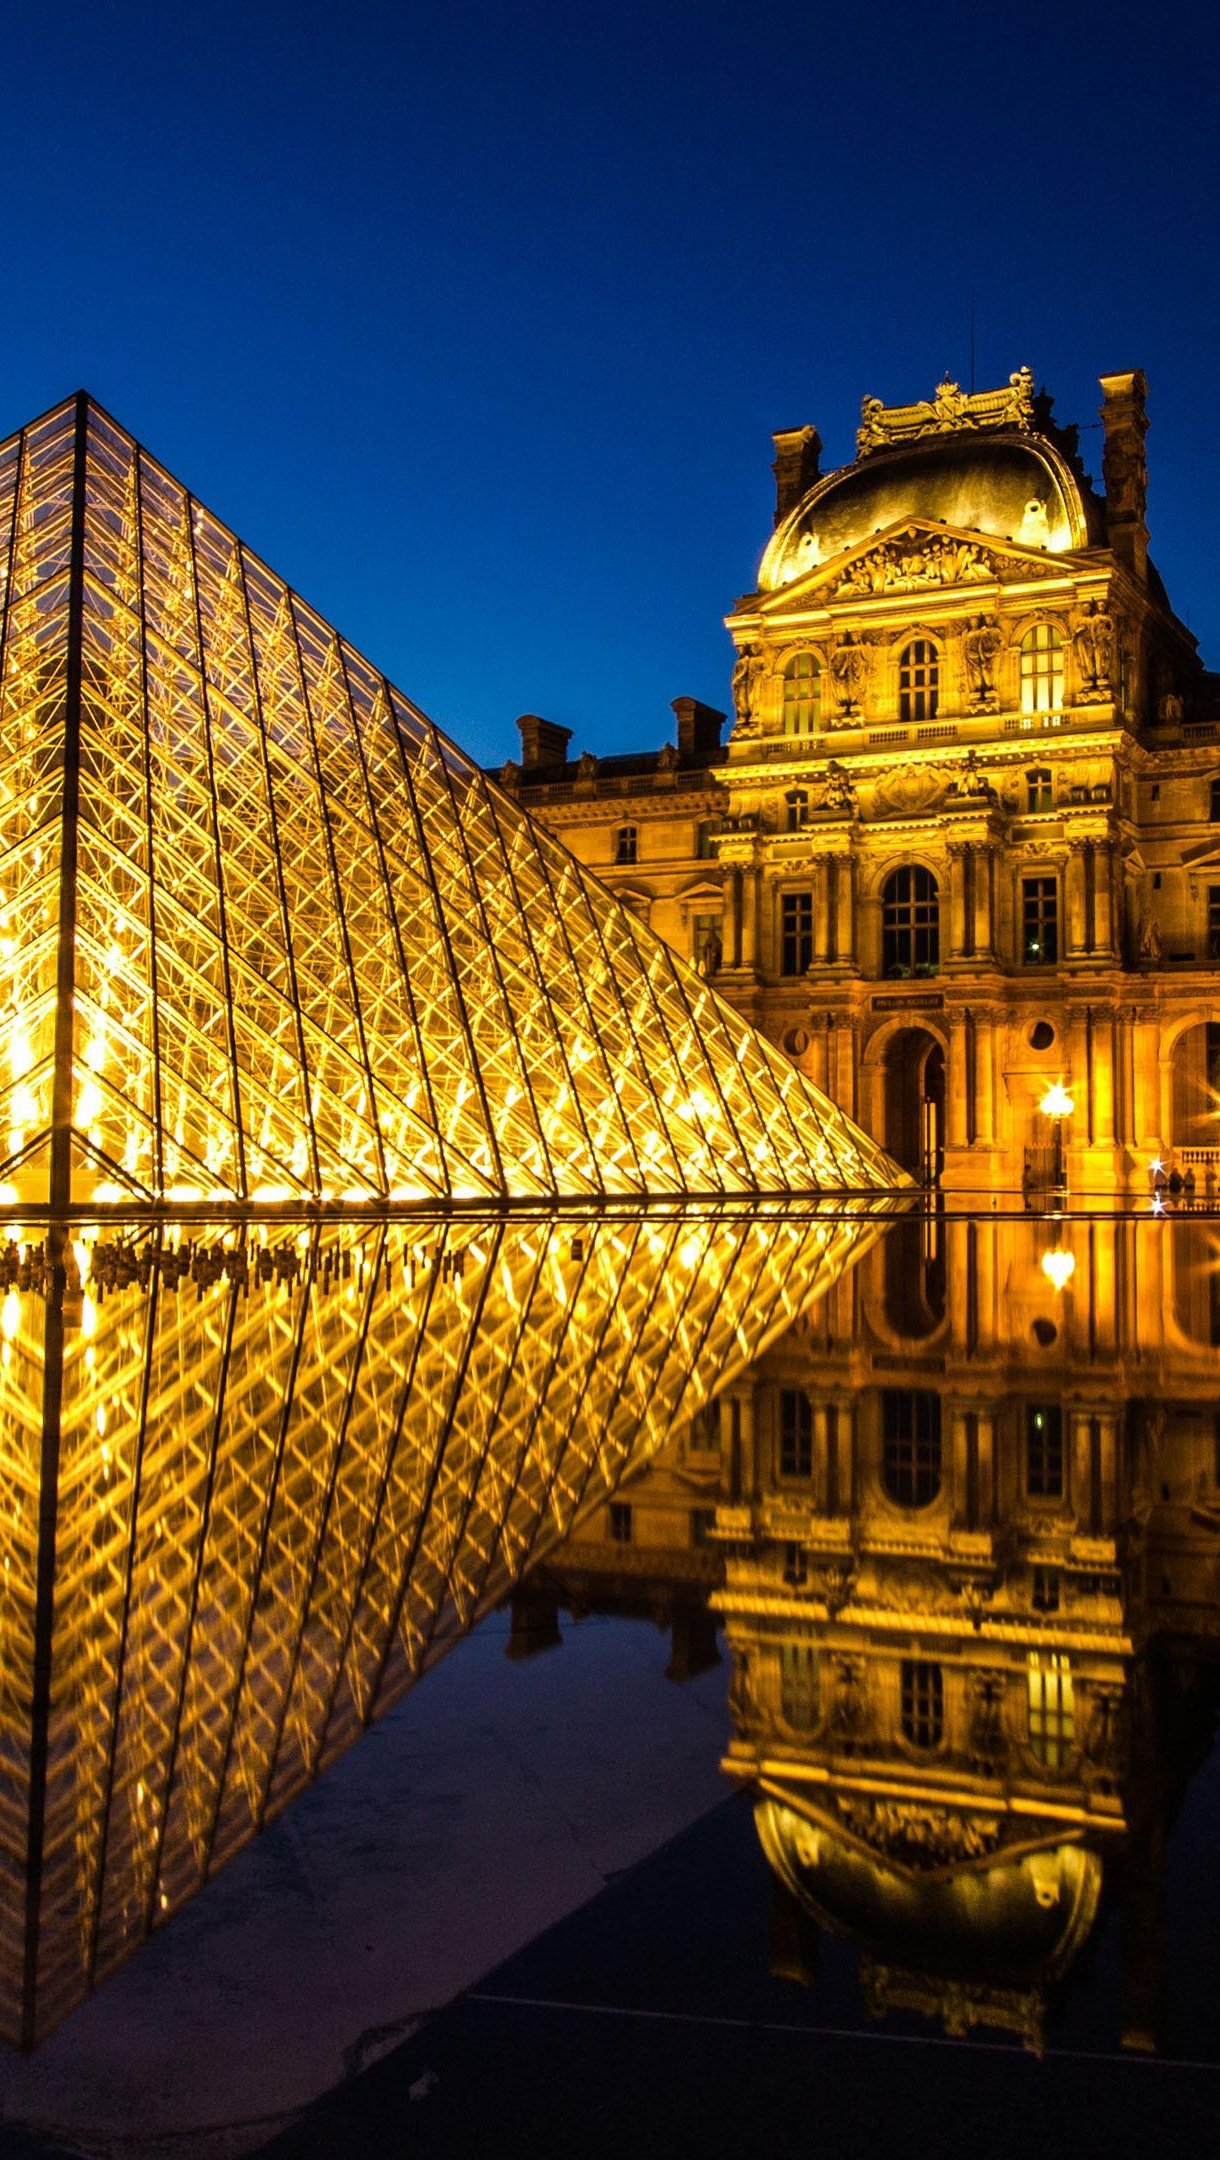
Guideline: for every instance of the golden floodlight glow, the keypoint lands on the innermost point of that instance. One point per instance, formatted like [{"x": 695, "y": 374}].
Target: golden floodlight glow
[
  {"x": 1059, "y": 1266},
  {"x": 1057, "y": 1102}
]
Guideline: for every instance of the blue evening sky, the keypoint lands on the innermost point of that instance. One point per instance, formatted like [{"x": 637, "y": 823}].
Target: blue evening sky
[{"x": 474, "y": 320}]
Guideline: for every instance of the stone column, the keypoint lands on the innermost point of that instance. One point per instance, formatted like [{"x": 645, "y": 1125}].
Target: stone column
[
  {"x": 821, "y": 909},
  {"x": 844, "y": 1088},
  {"x": 957, "y": 1106},
  {"x": 733, "y": 894},
  {"x": 1103, "y": 898},
  {"x": 984, "y": 903},
  {"x": 957, "y": 900},
  {"x": 1075, "y": 908},
  {"x": 1102, "y": 1028},
  {"x": 749, "y": 917},
  {"x": 843, "y": 869},
  {"x": 984, "y": 1079},
  {"x": 819, "y": 1028}
]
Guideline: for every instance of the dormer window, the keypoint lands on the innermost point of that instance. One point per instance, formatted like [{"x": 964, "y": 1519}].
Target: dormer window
[
  {"x": 626, "y": 844},
  {"x": 1042, "y": 669},
  {"x": 918, "y": 681},
  {"x": 802, "y": 694}
]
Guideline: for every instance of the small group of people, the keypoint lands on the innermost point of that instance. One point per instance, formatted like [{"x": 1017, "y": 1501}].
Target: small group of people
[{"x": 1180, "y": 1187}]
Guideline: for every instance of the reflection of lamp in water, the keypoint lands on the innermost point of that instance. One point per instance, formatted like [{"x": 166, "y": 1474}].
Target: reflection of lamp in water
[
  {"x": 1059, "y": 1266},
  {"x": 1057, "y": 1105}
]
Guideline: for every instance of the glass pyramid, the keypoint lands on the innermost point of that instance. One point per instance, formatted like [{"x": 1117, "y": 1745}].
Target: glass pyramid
[{"x": 266, "y": 935}]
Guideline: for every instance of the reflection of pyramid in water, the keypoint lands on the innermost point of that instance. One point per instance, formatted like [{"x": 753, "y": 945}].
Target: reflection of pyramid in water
[
  {"x": 288, "y": 1476},
  {"x": 312, "y": 950}
]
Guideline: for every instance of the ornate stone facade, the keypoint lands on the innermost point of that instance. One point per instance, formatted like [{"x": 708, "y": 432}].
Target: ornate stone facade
[{"x": 963, "y": 842}]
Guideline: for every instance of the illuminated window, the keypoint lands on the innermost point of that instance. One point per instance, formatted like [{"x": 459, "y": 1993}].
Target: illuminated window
[
  {"x": 1039, "y": 921},
  {"x": 802, "y": 694},
  {"x": 621, "y": 1526},
  {"x": 910, "y": 1445},
  {"x": 626, "y": 842},
  {"x": 795, "y": 1433},
  {"x": 1044, "y": 1451},
  {"x": 1042, "y": 669},
  {"x": 910, "y": 923},
  {"x": 798, "y": 1685},
  {"x": 796, "y": 933},
  {"x": 796, "y": 810},
  {"x": 918, "y": 681},
  {"x": 923, "y": 1703},
  {"x": 1052, "y": 1720},
  {"x": 1039, "y": 789}
]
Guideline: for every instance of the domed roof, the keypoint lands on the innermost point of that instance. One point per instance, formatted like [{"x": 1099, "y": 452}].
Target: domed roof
[
  {"x": 1012, "y": 485},
  {"x": 1010, "y": 1918}
]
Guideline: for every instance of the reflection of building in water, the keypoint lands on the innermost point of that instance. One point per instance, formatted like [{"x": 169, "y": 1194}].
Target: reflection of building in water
[
  {"x": 962, "y": 840},
  {"x": 970, "y": 1532},
  {"x": 258, "y": 1478}
]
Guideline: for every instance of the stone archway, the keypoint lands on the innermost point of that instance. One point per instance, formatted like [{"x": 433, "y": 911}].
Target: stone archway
[
  {"x": 914, "y": 1097},
  {"x": 1194, "y": 1118}
]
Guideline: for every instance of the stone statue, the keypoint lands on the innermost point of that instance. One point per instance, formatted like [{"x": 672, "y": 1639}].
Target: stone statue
[
  {"x": 972, "y": 781},
  {"x": 980, "y": 645},
  {"x": 1148, "y": 939},
  {"x": 510, "y": 773},
  {"x": 711, "y": 956},
  {"x": 849, "y": 672},
  {"x": 871, "y": 434},
  {"x": 840, "y": 791},
  {"x": 1093, "y": 638},
  {"x": 586, "y": 766},
  {"x": 747, "y": 677},
  {"x": 667, "y": 758}
]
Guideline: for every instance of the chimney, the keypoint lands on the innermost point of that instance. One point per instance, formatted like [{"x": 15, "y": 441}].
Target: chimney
[
  {"x": 1124, "y": 467},
  {"x": 542, "y": 742},
  {"x": 797, "y": 451},
  {"x": 698, "y": 727}
]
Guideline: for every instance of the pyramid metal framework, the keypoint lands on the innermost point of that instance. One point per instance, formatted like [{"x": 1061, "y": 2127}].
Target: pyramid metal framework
[
  {"x": 289, "y": 1469},
  {"x": 265, "y": 934}
]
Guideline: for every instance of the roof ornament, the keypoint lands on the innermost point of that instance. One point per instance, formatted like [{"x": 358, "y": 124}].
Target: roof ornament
[{"x": 883, "y": 427}]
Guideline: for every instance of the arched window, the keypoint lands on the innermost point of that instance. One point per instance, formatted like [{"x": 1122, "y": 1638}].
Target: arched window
[
  {"x": 798, "y": 1685},
  {"x": 802, "y": 694},
  {"x": 1042, "y": 669},
  {"x": 910, "y": 1445},
  {"x": 626, "y": 842},
  {"x": 910, "y": 923},
  {"x": 918, "y": 681},
  {"x": 796, "y": 810},
  {"x": 1039, "y": 789},
  {"x": 923, "y": 1704}
]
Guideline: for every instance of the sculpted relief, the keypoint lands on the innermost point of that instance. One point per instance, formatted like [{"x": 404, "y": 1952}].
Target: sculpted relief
[{"x": 914, "y": 563}]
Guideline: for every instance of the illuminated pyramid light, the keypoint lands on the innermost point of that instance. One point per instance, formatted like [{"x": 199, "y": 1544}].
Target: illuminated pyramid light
[
  {"x": 266, "y": 935},
  {"x": 278, "y": 1500}
]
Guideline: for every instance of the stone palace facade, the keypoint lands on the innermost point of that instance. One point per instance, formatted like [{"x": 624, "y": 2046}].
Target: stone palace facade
[{"x": 960, "y": 854}]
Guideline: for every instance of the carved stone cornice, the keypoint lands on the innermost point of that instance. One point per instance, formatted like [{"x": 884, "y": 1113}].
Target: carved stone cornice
[{"x": 949, "y": 411}]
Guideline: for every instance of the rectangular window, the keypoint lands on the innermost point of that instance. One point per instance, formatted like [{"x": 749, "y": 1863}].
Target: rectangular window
[
  {"x": 702, "y": 1524},
  {"x": 1213, "y": 922},
  {"x": 704, "y": 1438},
  {"x": 1052, "y": 1716},
  {"x": 796, "y": 933},
  {"x": 1046, "y": 1589},
  {"x": 626, "y": 844},
  {"x": 704, "y": 932},
  {"x": 923, "y": 1703},
  {"x": 795, "y": 1433},
  {"x": 796, "y": 1566},
  {"x": 1039, "y": 921},
  {"x": 1044, "y": 1451},
  {"x": 621, "y": 1526}
]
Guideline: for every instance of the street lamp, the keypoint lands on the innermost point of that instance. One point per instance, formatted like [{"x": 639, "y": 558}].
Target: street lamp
[{"x": 1057, "y": 1105}]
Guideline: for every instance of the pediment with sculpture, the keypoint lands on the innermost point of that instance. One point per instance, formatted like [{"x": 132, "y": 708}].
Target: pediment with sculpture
[{"x": 917, "y": 556}]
